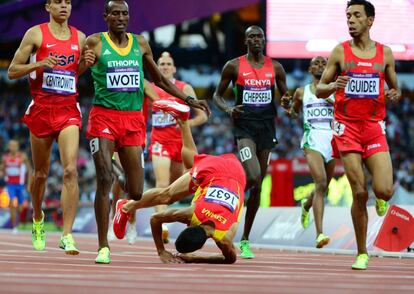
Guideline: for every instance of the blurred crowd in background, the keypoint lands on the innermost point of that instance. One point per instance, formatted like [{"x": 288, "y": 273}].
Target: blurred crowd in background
[{"x": 200, "y": 48}]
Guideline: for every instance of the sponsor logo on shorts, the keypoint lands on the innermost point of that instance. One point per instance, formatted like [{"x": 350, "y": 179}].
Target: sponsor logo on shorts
[
  {"x": 106, "y": 131},
  {"x": 372, "y": 146}
]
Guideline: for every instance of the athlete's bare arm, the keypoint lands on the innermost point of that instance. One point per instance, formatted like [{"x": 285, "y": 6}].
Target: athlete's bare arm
[
  {"x": 30, "y": 43},
  {"x": 393, "y": 93},
  {"x": 87, "y": 57},
  {"x": 158, "y": 196},
  {"x": 228, "y": 251},
  {"x": 327, "y": 85},
  {"x": 168, "y": 216},
  {"x": 281, "y": 85},
  {"x": 161, "y": 81},
  {"x": 94, "y": 43},
  {"x": 28, "y": 164},
  {"x": 297, "y": 103},
  {"x": 228, "y": 75},
  {"x": 149, "y": 91},
  {"x": 200, "y": 116}
]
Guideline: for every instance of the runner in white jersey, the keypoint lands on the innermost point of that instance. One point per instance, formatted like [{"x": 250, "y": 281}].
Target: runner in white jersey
[{"x": 316, "y": 144}]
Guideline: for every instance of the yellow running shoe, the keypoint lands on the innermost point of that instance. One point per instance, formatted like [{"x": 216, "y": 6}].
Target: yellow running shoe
[
  {"x": 381, "y": 206},
  {"x": 103, "y": 256},
  {"x": 68, "y": 244},
  {"x": 245, "y": 249},
  {"x": 305, "y": 216},
  {"x": 361, "y": 262},
  {"x": 322, "y": 240},
  {"x": 38, "y": 234}
]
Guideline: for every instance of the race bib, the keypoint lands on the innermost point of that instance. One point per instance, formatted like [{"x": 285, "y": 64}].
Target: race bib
[
  {"x": 59, "y": 81},
  {"x": 257, "y": 97},
  {"x": 13, "y": 171},
  {"x": 162, "y": 120},
  {"x": 363, "y": 85},
  {"x": 223, "y": 197},
  {"x": 123, "y": 79},
  {"x": 319, "y": 112}
]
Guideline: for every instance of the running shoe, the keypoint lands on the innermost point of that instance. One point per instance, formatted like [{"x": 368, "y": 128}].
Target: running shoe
[
  {"x": 68, "y": 244},
  {"x": 165, "y": 234},
  {"x": 381, "y": 206},
  {"x": 322, "y": 240},
  {"x": 103, "y": 256},
  {"x": 361, "y": 262},
  {"x": 305, "y": 216},
  {"x": 131, "y": 233},
  {"x": 177, "y": 110},
  {"x": 111, "y": 234},
  {"x": 245, "y": 249},
  {"x": 120, "y": 219},
  {"x": 38, "y": 234}
]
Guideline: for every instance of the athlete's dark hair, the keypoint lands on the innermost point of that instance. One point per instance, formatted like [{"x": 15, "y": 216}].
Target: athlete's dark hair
[
  {"x": 106, "y": 8},
  {"x": 369, "y": 8},
  {"x": 191, "y": 239}
]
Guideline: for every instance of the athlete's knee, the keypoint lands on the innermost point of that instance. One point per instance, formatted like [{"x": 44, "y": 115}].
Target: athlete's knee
[
  {"x": 104, "y": 179},
  {"x": 361, "y": 198},
  {"x": 321, "y": 187},
  {"x": 253, "y": 180},
  {"x": 70, "y": 173},
  {"x": 384, "y": 193},
  {"x": 39, "y": 176}
]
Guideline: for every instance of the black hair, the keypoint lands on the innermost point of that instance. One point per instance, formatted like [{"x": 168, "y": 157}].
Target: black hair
[
  {"x": 107, "y": 6},
  {"x": 368, "y": 6},
  {"x": 191, "y": 239}
]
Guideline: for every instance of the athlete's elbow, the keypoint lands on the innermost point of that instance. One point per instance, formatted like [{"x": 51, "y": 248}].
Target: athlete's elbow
[{"x": 11, "y": 74}]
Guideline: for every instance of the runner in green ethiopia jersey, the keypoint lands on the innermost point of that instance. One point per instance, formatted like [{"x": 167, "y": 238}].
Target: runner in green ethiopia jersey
[{"x": 116, "y": 121}]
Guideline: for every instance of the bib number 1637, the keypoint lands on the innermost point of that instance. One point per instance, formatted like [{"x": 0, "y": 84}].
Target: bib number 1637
[{"x": 223, "y": 197}]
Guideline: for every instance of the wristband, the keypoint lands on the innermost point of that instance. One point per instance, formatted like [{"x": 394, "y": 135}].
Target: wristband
[{"x": 188, "y": 99}]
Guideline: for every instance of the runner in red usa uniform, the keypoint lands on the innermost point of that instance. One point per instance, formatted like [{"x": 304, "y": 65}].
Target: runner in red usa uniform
[
  {"x": 57, "y": 56},
  {"x": 359, "y": 130}
]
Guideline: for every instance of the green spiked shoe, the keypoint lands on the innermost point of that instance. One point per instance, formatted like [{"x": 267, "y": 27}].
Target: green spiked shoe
[
  {"x": 322, "y": 240},
  {"x": 103, "y": 256},
  {"x": 381, "y": 206},
  {"x": 38, "y": 234},
  {"x": 68, "y": 244},
  {"x": 245, "y": 249},
  {"x": 361, "y": 262},
  {"x": 305, "y": 216}
]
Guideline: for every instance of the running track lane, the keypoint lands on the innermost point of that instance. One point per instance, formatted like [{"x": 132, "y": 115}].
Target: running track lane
[{"x": 137, "y": 269}]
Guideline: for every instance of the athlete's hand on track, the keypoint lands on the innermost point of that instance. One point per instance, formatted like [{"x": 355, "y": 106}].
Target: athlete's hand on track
[
  {"x": 49, "y": 62},
  {"x": 286, "y": 100},
  {"x": 341, "y": 82},
  {"x": 168, "y": 257},
  {"x": 235, "y": 111},
  {"x": 393, "y": 95},
  {"x": 88, "y": 56},
  {"x": 200, "y": 104}
]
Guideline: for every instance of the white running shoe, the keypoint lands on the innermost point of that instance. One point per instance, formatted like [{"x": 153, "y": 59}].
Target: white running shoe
[
  {"x": 131, "y": 234},
  {"x": 15, "y": 231},
  {"x": 111, "y": 234}
]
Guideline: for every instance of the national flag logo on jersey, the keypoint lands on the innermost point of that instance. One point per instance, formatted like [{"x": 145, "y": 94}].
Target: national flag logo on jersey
[{"x": 74, "y": 47}]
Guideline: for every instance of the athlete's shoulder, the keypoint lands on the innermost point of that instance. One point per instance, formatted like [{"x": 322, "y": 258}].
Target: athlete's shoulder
[{"x": 94, "y": 38}]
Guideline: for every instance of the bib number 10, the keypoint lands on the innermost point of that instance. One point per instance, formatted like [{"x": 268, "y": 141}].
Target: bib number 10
[{"x": 223, "y": 197}]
